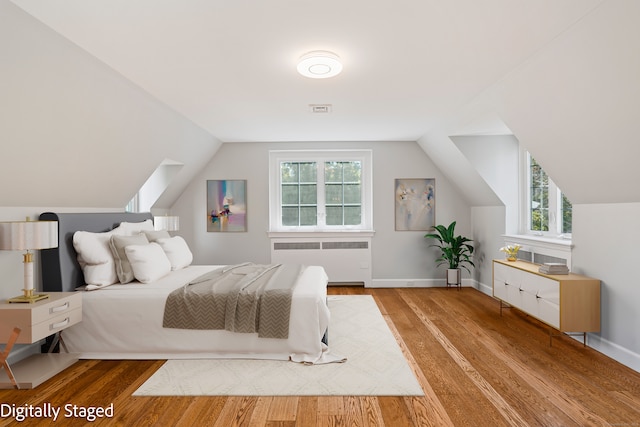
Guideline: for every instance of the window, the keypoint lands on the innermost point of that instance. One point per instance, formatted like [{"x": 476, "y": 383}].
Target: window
[
  {"x": 133, "y": 205},
  {"x": 343, "y": 192},
  {"x": 299, "y": 190},
  {"x": 320, "y": 190},
  {"x": 549, "y": 212}
]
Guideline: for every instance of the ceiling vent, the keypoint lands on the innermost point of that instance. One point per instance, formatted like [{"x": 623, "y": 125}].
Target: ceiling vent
[{"x": 320, "y": 108}]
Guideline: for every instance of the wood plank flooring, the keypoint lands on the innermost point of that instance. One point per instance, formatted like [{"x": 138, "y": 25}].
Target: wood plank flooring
[{"x": 477, "y": 368}]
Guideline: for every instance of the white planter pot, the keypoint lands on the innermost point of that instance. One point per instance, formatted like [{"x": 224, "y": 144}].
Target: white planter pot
[{"x": 454, "y": 277}]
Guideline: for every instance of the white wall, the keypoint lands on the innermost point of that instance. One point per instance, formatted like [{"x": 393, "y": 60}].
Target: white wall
[
  {"x": 397, "y": 256},
  {"x": 157, "y": 183},
  {"x": 488, "y": 224},
  {"x": 67, "y": 121},
  {"x": 495, "y": 158},
  {"x": 606, "y": 240},
  {"x": 463, "y": 175}
]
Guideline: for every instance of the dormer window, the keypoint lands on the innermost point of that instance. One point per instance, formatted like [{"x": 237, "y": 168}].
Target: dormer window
[{"x": 549, "y": 211}]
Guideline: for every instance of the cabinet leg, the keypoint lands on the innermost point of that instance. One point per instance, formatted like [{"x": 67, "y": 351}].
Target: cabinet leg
[
  {"x": 5, "y": 355},
  {"x": 503, "y": 305},
  {"x": 551, "y": 335}
]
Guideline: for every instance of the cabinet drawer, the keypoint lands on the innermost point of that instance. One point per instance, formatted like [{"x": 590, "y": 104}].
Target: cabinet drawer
[
  {"x": 55, "y": 308},
  {"x": 42, "y": 318},
  {"x": 543, "y": 287},
  {"x": 52, "y": 325},
  {"x": 507, "y": 275},
  {"x": 506, "y": 284},
  {"x": 548, "y": 312},
  {"x": 499, "y": 289}
]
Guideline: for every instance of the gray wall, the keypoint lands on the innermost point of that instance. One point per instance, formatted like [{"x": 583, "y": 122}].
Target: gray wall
[
  {"x": 488, "y": 224},
  {"x": 397, "y": 256}
]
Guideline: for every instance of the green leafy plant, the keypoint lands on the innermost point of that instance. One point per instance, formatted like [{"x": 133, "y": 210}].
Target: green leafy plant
[{"x": 455, "y": 251}]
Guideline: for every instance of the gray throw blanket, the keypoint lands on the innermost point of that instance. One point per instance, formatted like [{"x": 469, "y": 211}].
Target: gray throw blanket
[{"x": 240, "y": 298}]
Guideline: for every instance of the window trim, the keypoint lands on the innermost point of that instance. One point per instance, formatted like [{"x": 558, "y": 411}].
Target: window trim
[{"x": 275, "y": 192}]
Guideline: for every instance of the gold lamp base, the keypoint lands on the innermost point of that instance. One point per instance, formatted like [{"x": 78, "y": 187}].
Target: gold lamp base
[{"x": 29, "y": 297}]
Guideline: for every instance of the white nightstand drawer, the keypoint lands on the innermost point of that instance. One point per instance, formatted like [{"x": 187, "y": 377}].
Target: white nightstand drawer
[
  {"x": 55, "y": 308},
  {"x": 42, "y": 318},
  {"x": 51, "y": 326}
]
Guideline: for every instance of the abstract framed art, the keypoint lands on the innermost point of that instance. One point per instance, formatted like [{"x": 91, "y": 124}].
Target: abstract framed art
[
  {"x": 226, "y": 205},
  {"x": 415, "y": 204}
]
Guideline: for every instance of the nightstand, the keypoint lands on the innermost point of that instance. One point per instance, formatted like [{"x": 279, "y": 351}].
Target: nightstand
[{"x": 29, "y": 323}]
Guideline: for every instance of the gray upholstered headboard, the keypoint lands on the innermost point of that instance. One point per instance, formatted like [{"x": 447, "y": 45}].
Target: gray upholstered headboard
[{"x": 60, "y": 269}]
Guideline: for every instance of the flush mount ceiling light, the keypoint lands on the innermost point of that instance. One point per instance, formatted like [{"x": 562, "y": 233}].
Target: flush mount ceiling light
[{"x": 319, "y": 64}]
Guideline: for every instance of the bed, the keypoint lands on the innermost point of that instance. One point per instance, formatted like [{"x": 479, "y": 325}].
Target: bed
[{"x": 125, "y": 321}]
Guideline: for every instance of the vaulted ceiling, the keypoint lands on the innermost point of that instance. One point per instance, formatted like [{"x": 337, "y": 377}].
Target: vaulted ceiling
[
  {"x": 91, "y": 86},
  {"x": 230, "y": 66}
]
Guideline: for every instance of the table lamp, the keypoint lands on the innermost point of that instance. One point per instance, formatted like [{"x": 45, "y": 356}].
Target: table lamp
[
  {"x": 26, "y": 236},
  {"x": 166, "y": 222}
]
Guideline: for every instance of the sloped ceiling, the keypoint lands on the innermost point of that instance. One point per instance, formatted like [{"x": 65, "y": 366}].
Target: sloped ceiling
[
  {"x": 230, "y": 66},
  {"x": 414, "y": 70},
  {"x": 74, "y": 132},
  {"x": 576, "y": 104}
]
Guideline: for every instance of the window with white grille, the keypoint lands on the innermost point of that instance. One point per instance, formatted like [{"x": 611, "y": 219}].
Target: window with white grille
[{"x": 320, "y": 190}]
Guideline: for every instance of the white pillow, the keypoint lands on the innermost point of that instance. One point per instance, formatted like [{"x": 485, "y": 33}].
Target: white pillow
[
  {"x": 95, "y": 257},
  {"x": 177, "y": 251},
  {"x": 122, "y": 265},
  {"x": 131, "y": 228},
  {"x": 152, "y": 236},
  {"x": 148, "y": 262}
]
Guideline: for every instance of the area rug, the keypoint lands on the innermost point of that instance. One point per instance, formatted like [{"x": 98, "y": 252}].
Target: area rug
[{"x": 375, "y": 365}]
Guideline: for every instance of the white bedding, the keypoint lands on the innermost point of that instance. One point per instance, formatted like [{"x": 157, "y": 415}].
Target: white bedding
[{"x": 125, "y": 322}]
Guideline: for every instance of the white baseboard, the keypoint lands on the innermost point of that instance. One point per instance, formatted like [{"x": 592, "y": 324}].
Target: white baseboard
[
  {"x": 485, "y": 289},
  {"x": 614, "y": 351},
  {"x": 415, "y": 283}
]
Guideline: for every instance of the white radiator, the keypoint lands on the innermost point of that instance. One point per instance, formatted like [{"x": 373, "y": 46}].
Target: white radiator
[{"x": 344, "y": 260}]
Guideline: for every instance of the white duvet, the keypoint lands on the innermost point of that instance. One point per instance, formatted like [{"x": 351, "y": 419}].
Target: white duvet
[{"x": 125, "y": 322}]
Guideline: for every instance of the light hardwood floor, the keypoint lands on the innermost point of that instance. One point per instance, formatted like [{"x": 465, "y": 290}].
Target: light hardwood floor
[{"x": 477, "y": 368}]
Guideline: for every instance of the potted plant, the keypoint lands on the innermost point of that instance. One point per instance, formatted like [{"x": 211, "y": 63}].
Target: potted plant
[{"x": 455, "y": 252}]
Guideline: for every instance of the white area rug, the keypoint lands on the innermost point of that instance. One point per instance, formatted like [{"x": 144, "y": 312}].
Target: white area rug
[{"x": 375, "y": 365}]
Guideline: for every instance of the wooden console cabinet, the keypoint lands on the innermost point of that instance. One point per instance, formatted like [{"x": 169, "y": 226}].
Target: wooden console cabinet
[{"x": 569, "y": 303}]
